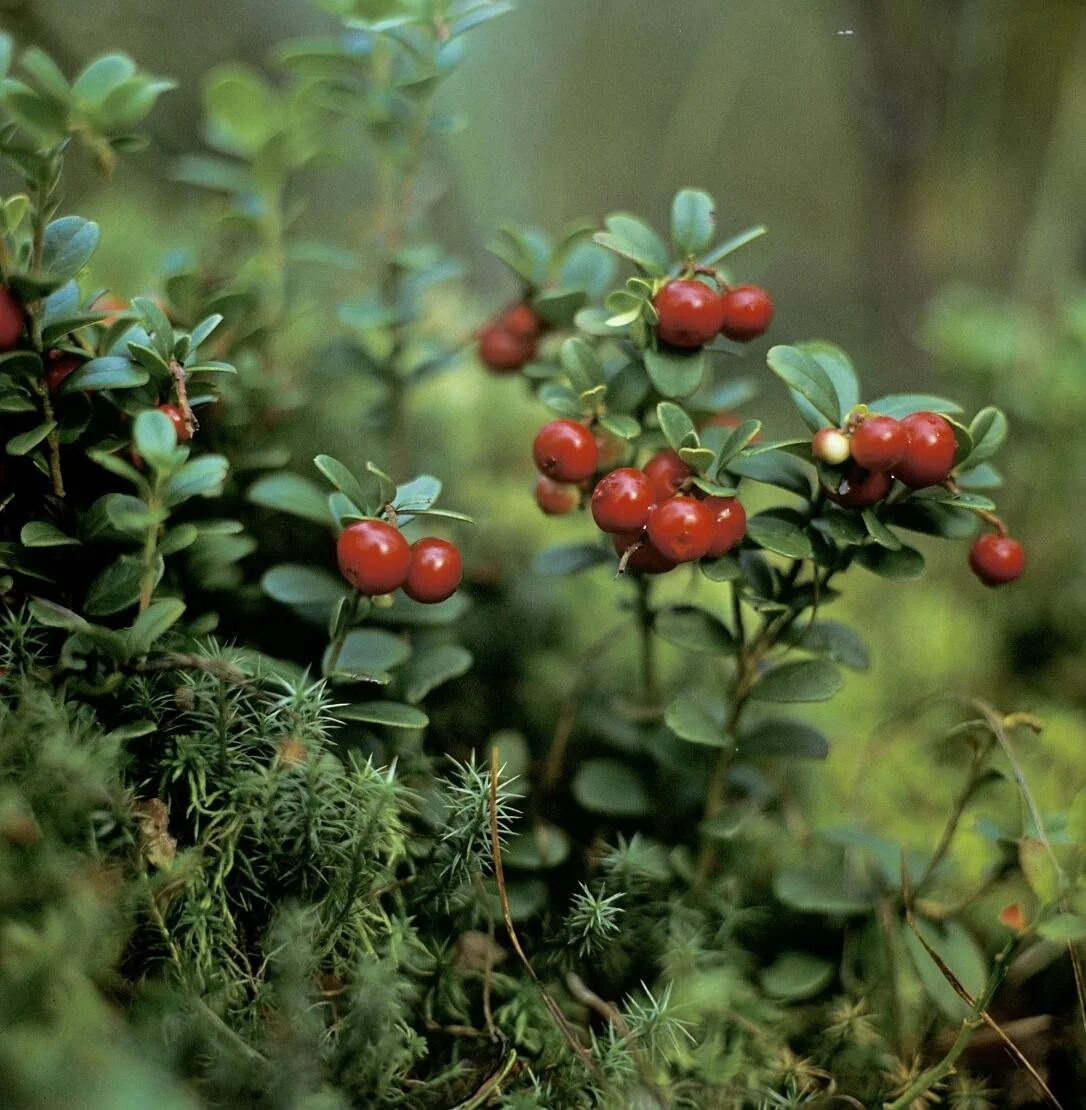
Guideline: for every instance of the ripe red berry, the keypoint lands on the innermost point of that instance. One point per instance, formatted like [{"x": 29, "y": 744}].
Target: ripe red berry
[
  {"x": 373, "y": 556},
  {"x": 59, "y": 366},
  {"x": 830, "y": 446},
  {"x": 646, "y": 559},
  {"x": 565, "y": 451},
  {"x": 12, "y": 320},
  {"x": 879, "y": 443},
  {"x": 667, "y": 472},
  {"x": 721, "y": 420},
  {"x": 611, "y": 450},
  {"x": 929, "y": 452},
  {"x": 521, "y": 320},
  {"x": 502, "y": 351},
  {"x": 556, "y": 498},
  {"x": 435, "y": 571},
  {"x": 996, "y": 560},
  {"x": 622, "y": 499},
  {"x": 860, "y": 488},
  {"x": 681, "y": 529},
  {"x": 689, "y": 313},
  {"x": 729, "y": 523},
  {"x": 746, "y": 311},
  {"x": 177, "y": 419}
]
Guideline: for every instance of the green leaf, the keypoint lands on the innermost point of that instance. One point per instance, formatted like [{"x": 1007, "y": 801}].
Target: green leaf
[
  {"x": 794, "y": 976},
  {"x": 694, "y": 629},
  {"x": 346, "y": 483},
  {"x": 806, "y": 680},
  {"x": 1040, "y": 869},
  {"x": 903, "y": 566},
  {"x": 730, "y": 246},
  {"x": 67, "y": 247},
  {"x": 781, "y": 738},
  {"x": 110, "y": 372},
  {"x": 693, "y": 222},
  {"x": 1064, "y": 927},
  {"x": 698, "y": 716},
  {"x": 676, "y": 425},
  {"x": 780, "y": 533},
  {"x": 611, "y": 788},
  {"x": 56, "y": 616},
  {"x": 242, "y": 109},
  {"x": 802, "y": 374},
  {"x": 879, "y": 532},
  {"x": 581, "y": 364},
  {"x": 674, "y": 373},
  {"x": 156, "y": 438},
  {"x": 959, "y": 951},
  {"x": 299, "y": 584},
  {"x": 836, "y": 641},
  {"x": 420, "y": 493},
  {"x": 25, "y": 442},
  {"x": 773, "y": 468},
  {"x": 633, "y": 239},
  {"x": 569, "y": 558},
  {"x": 618, "y": 424},
  {"x": 432, "y": 666},
  {"x": 902, "y": 404},
  {"x": 101, "y": 76},
  {"x": 838, "y": 367},
  {"x": 369, "y": 653},
  {"x": 389, "y": 713},
  {"x": 116, "y": 588},
  {"x": 290, "y": 493},
  {"x": 203, "y": 477},
  {"x": 539, "y": 847},
  {"x": 726, "y": 568},
  {"x": 817, "y": 892},
  {"x": 988, "y": 431},
  {"x": 153, "y": 622},
  {"x": 737, "y": 439},
  {"x": 43, "y": 533}
]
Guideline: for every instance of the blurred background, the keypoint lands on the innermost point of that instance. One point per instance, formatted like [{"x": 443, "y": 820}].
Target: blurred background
[{"x": 921, "y": 166}]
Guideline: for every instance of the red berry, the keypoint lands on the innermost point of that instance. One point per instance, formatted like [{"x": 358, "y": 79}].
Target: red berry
[
  {"x": 611, "y": 450},
  {"x": 565, "y": 451},
  {"x": 681, "y": 529},
  {"x": 831, "y": 446},
  {"x": 860, "y": 488},
  {"x": 879, "y": 443},
  {"x": 177, "y": 419},
  {"x": 435, "y": 571},
  {"x": 622, "y": 499},
  {"x": 646, "y": 559},
  {"x": 373, "y": 556},
  {"x": 721, "y": 420},
  {"x": 12, "y": 320},
  {"x": 556, "y": 498},
  {"x": 502, "y": 351},
  {"x": 929, "y": 452},
  {"x": 746, "y": 311},
  {"x": 59, "y": 366},
  {"x": 729, "y": 523},
  {"x": 521, "y": 320},
  {"x": 689, "y": 313},
  {"x": 667, "y": 472},
  {"x": 996, "y": 560}
]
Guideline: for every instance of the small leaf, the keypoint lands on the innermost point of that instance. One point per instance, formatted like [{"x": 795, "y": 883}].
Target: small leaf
[
  {"x": 290, "y": 493},
  {"x": 611, "y": 788},
  {"x": 807, "y": 680},
  {"x": 801, "y": 373},
  {"x": 782, "y": 534},
  {"x": 730, "y": 246},
  {"x": 774, "y": 468},
  {"x": 67, "y": 246},
  {"x": 698, "y": 717},
  {"x": 834, "y": 640},
  {"x": 959, "y": 951},
  {"x": 618, "y": 424},
  {"x": 203, "y": 477},
  {"x": 693, "y": 629},
  {"x": 110, "y": 372},
  {"x": 988, "y": 431},
  {"x": 389, "y": 713},
  {"x": 43, "y": 533},
  {"x": 817, "y": 892},
  {"x": 299, "y": 584},
  {"x": 676, "y": 425},
  {"x": 345, "y": 482},
  {"x": 903, "y": 566},
  {"x": 675, "y": 374},
  {"x": 116, "y": 588},
  {"x": 693, "y": 221},
  {"x": 153, "y": 622},
  {"x": 420, "y": 493},
  {"x": 794, "y": 976},
  {"x": 1064, "y": 926},
  {"x": 633, "y": 239},
  {"x": 879, "y": 532},
  {"x": 569, "y": 558},
  {"x": 781, "y": 738},
  {"x": 25, "y": 442},
  {"x": 902, "y": 404},
  {"x": 432, "y": 666},
  {"x": 368, "y": 653}
]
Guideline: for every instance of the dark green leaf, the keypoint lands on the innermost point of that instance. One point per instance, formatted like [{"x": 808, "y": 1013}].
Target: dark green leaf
[
  {"x": 806, "y": 680},
  {"x": 834, "y": 640},
  {"x": 904, "y": 565},
  {"x": 633, "y": 239},
  {"x": 817, "y": 892},
  {"x": 299, "y": 584},
  {"x": 693, "y": 629},
  {"x": 698, "y": 717},
  {"x": 43, "y": 533},
  {"x": 676, "y": 425},
  {"x": 675, "y": 374},
  {"x": 693, "y": 221},
  {"x": 110, "y": 372},
  {"x": 780, "y": 738},
  {"x": 569, "y": 558},
  {"x": 27, "y": 441},
  {"x": 292, "y": 494},
  {"x": 794, "y": 976},
  {"x": 432, "y": 666},
  {"x": 988, "y": 431},
  {"x": 801, "y": 373},
  {"x": 67, "y": 247},
  {"x": 611, "y": 788},
  {"x": 879, "y": 532},
  {"x": 116, "y": 588},
  {"x": 153, "y": 622},
  {"x": 902, "y": 404},
  {"x": 774, "y": 468},
  {"x": 388, "y": 713},
  {"x": 781, "y": 534}
]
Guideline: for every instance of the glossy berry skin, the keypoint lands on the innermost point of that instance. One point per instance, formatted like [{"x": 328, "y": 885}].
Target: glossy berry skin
[
  {"x": 831, "y": 446},
  {"x": 860, "y": 488},
  {"x": 521, "y": 320},
  {"x": 373, "y": 556},
  {"x": 646, "y": 559},
  {"x": 667, "y": 472},
  {"x": 622, "y": 500},
  {"x": 59, "y": 366},
  {"x": 681, "y": 529},
  {"x": 879, "y": 443},
  {"x": 746, "y": 312},
  {"x": 996, "y": 560},
  {"x": 435, "y": 571},
  {"x": 929, "y": 451},
  {"x": 556, "y": 498},
  {"x": 12, "y": 320},
  {"x": 177, "y": 419},
  {"x": 503, "y": 352},
  {"x": 729, "y": 523},
  {"x": 565, "y": 451},
  {"x": 689, "y": 313}
]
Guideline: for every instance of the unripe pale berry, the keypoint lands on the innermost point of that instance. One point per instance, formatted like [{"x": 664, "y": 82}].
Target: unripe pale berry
[
  {"x": 729, "y": 523},
  {"x": 622, "y": 499},
  {"x": 435, "y": 571},
  {"x": 556, "y": 498},
  {"x": 689, "y": 313},
  {"x": 667, "y": 472},
  {"x": 831, "y": 446},
  {"x": 929, "y": 453},
  {"x": 879, "y": 442},
  {"x": 681, "y": 529},
  {"x": 996, "y": 560},
  {"x": 373, "y": 556},
  {"x": 565, "y": 451},
  {"x": 746, "y": 312}
]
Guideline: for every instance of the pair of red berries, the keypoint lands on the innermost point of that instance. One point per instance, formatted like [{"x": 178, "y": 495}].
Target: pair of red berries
[
  {"x": 12, "y": 320},
  {"x": 917, "y": 450},
  {"x": 507, "y": 342},
  {"x": 649, "y": 512},
  {"x": 692, "y": 314},
  {"x": 376, "y": 559}
]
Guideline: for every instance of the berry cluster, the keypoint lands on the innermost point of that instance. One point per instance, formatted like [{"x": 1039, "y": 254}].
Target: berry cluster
[
  {"x": 657, "y": 517},
  {"x": 509, "y": 340},
  {"x": 872, "y": 450},
  {"x": 691, "y": 313},
  {"x": 376, "y": 559}
]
